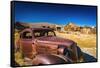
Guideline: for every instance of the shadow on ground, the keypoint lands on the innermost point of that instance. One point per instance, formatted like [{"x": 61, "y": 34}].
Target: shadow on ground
[{"x": 89, "y": 58}]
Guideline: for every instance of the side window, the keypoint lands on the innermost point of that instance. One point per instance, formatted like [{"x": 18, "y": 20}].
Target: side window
[
  {"x": 27, "y": 35},
  {"x": 37, "y": 34},
  {"x": 50, "y": 33}
]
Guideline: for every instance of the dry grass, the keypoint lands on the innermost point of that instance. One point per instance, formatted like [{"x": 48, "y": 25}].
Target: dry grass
[
  {"x": 19, "y": 59},
  {"x": 83, "y": 40},
  {"x": 18, "y": 56}
]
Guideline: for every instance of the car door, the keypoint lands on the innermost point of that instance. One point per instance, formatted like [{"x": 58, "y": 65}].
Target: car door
[{"x": 26, "y": 43}]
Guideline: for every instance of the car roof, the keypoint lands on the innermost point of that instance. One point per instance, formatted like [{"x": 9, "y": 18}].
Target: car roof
[{"x": 39, "y": 29}]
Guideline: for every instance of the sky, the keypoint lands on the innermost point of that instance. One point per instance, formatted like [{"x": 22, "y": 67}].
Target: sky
[{"x": 54, "y": 13}]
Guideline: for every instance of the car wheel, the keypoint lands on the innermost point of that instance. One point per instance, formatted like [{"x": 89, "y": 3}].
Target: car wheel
[{"x": 64, "y": 51}]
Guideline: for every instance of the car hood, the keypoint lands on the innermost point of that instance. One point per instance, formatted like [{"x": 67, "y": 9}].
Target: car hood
[{"x": 55, "y": 40}]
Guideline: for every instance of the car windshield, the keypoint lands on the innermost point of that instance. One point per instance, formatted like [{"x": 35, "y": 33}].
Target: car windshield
[{"x": 40, "y": 33}]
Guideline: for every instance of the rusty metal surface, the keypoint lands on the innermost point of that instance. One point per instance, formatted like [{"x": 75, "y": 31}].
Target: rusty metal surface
[{"x": 55, "y": 40}]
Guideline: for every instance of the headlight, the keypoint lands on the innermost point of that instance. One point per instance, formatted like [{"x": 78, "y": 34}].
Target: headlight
[{"x": 63, "y": 50}]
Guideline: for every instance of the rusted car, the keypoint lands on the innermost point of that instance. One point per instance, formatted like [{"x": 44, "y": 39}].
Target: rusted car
[{"x": 42, "y": 46}]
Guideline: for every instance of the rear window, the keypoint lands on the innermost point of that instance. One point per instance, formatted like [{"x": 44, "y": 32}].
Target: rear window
[
  {"x": 38, "y": 33},
  {"x": 27, "y": 35}
]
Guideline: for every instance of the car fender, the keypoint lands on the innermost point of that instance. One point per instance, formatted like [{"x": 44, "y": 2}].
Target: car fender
[{"x": 43, "y": 59}]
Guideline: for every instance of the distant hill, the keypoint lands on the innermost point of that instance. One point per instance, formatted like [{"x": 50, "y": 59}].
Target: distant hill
[
  {"x": 85, "y": 29},
  {"x": 72, "y": 24},
  {"x": 22, "y": 25},
  {"x": 71, "y": 27}
]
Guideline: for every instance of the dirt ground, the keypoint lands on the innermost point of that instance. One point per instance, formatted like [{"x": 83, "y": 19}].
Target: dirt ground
[{"x": 87, "y": 42}]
